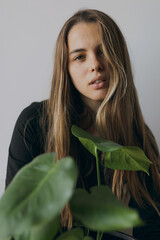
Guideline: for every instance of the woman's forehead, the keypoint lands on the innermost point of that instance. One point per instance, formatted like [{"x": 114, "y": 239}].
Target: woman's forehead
[{"x": 83, "y": 35}]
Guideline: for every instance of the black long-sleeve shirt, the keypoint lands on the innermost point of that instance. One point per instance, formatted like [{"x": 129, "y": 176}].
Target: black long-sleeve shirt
[{"x": 27, "y": 143}]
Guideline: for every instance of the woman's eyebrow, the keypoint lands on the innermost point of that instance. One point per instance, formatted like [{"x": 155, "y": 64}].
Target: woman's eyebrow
[
  {"x": 77, "y": 50},
  {"x": 83, "y": 49}
]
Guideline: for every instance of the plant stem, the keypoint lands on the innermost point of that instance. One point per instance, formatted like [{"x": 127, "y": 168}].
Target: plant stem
[
  {"x": 100, "y": 238},
  {"x": 97, "y": 165},
  {"x": 98, "y": 235},
  {"x": 87, "y": 232}
]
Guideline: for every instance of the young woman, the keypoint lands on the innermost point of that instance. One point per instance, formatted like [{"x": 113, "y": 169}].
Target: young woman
[{"x": 92, "y": 87}]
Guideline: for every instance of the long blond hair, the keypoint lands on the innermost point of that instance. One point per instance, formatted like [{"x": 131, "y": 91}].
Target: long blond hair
[{"x": 119, "y": 117}]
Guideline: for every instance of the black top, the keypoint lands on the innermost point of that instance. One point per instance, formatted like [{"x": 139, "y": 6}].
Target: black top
[{"x": 27, "y": 143}]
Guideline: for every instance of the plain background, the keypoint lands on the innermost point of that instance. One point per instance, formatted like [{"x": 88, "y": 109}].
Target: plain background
[{"x": 28, "y": 32}]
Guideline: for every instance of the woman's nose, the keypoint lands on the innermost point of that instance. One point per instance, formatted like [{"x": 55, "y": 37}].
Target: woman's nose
[
  {"x": 96, "y": 68},
  {"x": 96, "y": 65}
]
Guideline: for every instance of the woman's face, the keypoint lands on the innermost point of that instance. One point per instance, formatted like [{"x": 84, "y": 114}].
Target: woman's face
[{"x": 88, "y": 67}]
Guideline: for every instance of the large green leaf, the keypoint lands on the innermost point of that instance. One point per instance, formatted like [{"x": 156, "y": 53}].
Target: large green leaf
[
  {"x": 22, "y": 236},
  {"x": 37, "y": 194},
  {"x": 46, "y": 231},
  {"x": 88, "y": 238},
  {"x": 100, "y": 210},
  {"x": 116, "y": 156},
  {"x": 74, "y": 234},
  {"x": 43, "y": 231},
  {"x": 127, "y": 158}
]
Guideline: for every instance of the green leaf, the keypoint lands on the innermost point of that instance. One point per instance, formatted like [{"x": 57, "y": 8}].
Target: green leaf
[
  {"x": 91, "y": 142},
  {"x": 37, "y": 194},
  {"x": 100, "y": 210},
  {"x": 74, "y": 234},
  {"x": 43, "y": 231},
  {"x": 46, "y": 231},
  {"x": 23, "y": 236},
  {"x": 116, "y": 156},
  {"x": 127, "y": 158},
  {"x": 88, "y": 238}
]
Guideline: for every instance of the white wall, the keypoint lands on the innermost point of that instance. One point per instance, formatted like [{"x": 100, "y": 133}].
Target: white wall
[{"x": 28, "y": 31}]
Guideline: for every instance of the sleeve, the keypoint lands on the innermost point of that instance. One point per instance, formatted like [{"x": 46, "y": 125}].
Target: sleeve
[
  {"x": 24, "y": 145},
  {"x": 151, "y": 228}
]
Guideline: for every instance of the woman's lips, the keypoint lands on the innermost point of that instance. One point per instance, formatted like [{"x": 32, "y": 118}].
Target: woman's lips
[
  {"x": 96, "y": 79},
  {"x": 97, "y": 83}
]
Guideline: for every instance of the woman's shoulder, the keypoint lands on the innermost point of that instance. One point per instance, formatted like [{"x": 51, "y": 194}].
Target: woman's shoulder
[
  {"x": 33, "y": 110},
  {"x": 27, "y": 140},
  {"x": 28, "y": 124},
  {"x": 30, "y": 114},
  {"x": 27, "y": 130}
]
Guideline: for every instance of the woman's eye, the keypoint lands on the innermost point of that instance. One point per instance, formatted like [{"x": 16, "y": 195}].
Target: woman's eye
[
  {"x": 80, "y": 57},
  {"x": 101, "y": 53}
]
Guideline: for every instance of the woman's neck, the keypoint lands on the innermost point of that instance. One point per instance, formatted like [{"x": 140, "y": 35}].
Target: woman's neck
[
  {"x": 93, "y": 131},
  {"x": 93, "y": 105},
  {"x": 88, "y": 122},
  {"x": 88, "y": 117}
]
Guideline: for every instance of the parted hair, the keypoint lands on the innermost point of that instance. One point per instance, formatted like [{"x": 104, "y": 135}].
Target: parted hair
[{"x": 119, "y": 117}]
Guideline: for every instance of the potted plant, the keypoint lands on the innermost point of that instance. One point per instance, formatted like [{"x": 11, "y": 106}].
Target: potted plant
[{"x": 30, "y": 207}]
